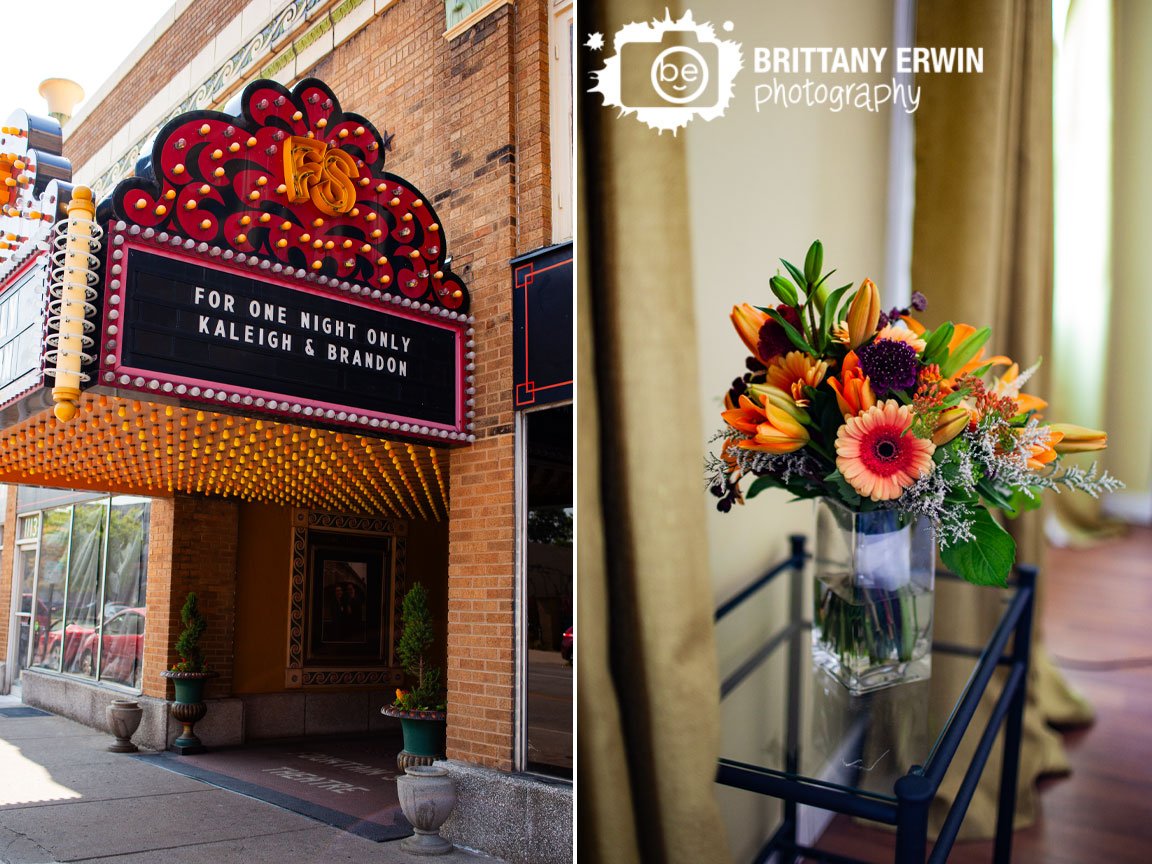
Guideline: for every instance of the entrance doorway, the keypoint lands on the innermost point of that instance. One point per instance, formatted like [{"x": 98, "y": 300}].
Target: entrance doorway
[{"x": 30, "y": 624}]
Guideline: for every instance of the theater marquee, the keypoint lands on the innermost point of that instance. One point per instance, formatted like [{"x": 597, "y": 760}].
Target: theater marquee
[
  {"x": 267, "y": 261},
  {"x": 206, "y": 331}
]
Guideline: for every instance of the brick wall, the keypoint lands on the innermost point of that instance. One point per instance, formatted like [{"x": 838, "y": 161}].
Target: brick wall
[
  {"x": 192, "y": 547},
  {"x": 158, "y": 635},
  {"x": 195, "y": 28},
  {"x": 7, "y": 562},
  {"x": 533, "y": 119},
  {"x": 459, "y": 111},
  {"x": 471, "y": 122}
]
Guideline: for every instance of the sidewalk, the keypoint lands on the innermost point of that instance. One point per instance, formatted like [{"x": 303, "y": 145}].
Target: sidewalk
[{"x": 64, "y": 797}]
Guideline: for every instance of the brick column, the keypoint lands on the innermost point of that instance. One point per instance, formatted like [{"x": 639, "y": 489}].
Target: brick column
[
  {"x": 191, "y": 547},
  {"x": 481, "y": 607},
  {"x": 7, "y": 563}
]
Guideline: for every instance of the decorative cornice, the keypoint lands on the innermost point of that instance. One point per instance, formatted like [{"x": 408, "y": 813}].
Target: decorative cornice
[{"x": 215, "y": 88}]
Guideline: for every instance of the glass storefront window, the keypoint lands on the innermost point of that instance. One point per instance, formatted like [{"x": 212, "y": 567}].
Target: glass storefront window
[
  {"x": 89, "y": 581},
  {"x": 82, "y": 615},
  {"x": 50, "y": 587},
  {"x": 548, "y": 632},
  {"x": 122, "y": 647}
]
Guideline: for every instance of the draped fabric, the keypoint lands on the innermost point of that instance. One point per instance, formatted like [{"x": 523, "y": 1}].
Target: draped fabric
[
  {"x": 982, "y": 253},
  {"x": 648, "y": 719}
]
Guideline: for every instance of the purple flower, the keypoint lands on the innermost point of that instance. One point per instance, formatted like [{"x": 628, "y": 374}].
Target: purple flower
[{"x": 889, "y": 364}]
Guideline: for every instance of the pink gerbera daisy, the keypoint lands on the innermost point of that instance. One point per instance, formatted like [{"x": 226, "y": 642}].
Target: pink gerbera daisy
[{"x": 877, "y": 454}]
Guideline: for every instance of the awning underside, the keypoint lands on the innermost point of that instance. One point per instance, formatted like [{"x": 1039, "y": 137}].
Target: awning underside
[{"x": 145, "y": 448}]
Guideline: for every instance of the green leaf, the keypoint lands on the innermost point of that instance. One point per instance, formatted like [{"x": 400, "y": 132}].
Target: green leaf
[
  {"x": 965, "y": 351},
  {"x": 847, "y": 494},
  {"x": 769, "y": 482},
  {"x": 987, "y": 558},
  {"x": 793, "y": 334},
  {"x": 796, "y": 274},
  {"x": 824, "y": 278},
  {"x": 830, "y": 305},
  {"x": 937, "y": 343},
  {"x": 995, "y": 496},
  {"x": 842, "y": 312},
  {"x": 1022, "y": 502},
  {"x": 760, "y": 484},
  {"x": 783, "y": 289}
]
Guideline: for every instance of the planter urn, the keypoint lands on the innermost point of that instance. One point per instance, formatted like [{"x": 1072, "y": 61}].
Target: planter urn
[
  {"x": 424, "y": 733},
  {"x": 124, "y": 717},
  {"x": 427, "y": 797},
  {"x": 188, "y": 709}
]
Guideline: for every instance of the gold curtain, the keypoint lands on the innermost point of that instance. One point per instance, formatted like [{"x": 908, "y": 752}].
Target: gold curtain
[
  {"x": 647, "y": 712},
  {"x": 982, "y": 253}
]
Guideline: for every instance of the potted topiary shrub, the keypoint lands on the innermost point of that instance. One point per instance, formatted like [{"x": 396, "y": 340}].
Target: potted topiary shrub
[
  {"x": 421, "y": 708},
  {"x": 188, "y": 677}
]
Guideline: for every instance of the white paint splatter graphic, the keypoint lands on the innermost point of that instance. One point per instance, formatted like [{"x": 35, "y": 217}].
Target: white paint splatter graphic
[{"x": 669, "y": 72}]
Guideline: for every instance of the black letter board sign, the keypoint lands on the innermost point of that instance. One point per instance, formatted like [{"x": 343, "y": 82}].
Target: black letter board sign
[
  {"x": 227, "y": 335},
  {"x": 542, "y": 331}
]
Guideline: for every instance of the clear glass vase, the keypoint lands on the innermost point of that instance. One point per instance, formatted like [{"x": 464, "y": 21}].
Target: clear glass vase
[{"x": 874, "y": 584}]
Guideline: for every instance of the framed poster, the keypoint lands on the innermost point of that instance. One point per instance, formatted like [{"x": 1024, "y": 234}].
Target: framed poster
[{"x": 350, "y": 582}]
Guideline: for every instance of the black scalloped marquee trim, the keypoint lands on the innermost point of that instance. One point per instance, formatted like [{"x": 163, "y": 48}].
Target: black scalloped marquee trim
[{"x": 220, "y": 179}]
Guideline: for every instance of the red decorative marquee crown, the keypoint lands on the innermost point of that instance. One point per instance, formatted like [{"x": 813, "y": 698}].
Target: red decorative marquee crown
[{"x": 297, "y": 180}]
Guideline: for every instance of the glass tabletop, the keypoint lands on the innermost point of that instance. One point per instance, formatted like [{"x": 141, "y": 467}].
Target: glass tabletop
[{"x": 782, "y": 713}]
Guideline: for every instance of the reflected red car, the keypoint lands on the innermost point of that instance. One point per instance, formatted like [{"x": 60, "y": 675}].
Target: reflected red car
[
  {"x": 566, "y": 642},
  {"x": 73, "y": 635},
  {"x": 123, "y": 647}
]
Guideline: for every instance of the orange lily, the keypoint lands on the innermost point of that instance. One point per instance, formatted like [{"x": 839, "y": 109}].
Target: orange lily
[
  {"x": 795, "y": 370},
  {"x": 1077, "y": 439},
  {"x": 914, "y": 325},
  {"x": 949, "y": 424},
  {"x": 1043, "y": 454},
  {"x": 1005, "y": 386},
  {"x": 854, "y": 390},
  {"x": 863, "y": 314},
  {"x": 748, "y": 320},
  {"x": 774, "y": 429}
]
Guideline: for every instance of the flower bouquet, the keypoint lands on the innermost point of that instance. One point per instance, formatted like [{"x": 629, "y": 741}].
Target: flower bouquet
[{"x": 903, "y": 434}]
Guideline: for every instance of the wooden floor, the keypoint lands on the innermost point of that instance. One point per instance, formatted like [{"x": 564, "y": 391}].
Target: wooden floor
[{"x": 1097, "y": 607}]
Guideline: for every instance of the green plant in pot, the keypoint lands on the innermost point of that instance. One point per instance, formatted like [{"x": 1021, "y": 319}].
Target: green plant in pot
[
  {"x": 421, "y": 708},
  {"x": 188, "y": 677}
]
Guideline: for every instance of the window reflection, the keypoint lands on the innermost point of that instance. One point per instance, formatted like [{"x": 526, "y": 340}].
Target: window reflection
[
  {"x": 82, "y": 615},
  {"x": 90, "y": 589},
  {"x": 127, "y": 577},
  {"x": 50, "y": 587},
  {"x": 548, "y": 595}
]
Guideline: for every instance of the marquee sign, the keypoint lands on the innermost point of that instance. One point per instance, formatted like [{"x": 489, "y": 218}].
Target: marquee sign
[
  {"x": 299, "y": 181},
  {"x": 33, "y": 190},
  {"x": 268, "y": 262},
  {"x": 21, "y": 331},
  {"x": 33, "y": 181}
]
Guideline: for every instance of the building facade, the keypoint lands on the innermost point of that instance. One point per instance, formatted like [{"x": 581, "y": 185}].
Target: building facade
[{"x": 289, "y": 411}]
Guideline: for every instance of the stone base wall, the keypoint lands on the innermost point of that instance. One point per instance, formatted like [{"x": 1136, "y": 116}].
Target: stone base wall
[
  {"x": 229, "y": 722},
  {"x": 519, "y": 818}
]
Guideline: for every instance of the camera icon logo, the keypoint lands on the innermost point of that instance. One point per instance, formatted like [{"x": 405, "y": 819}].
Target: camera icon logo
[
  {"x": 659, "y": 73},
  {"x": 669, "y": 72}
]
